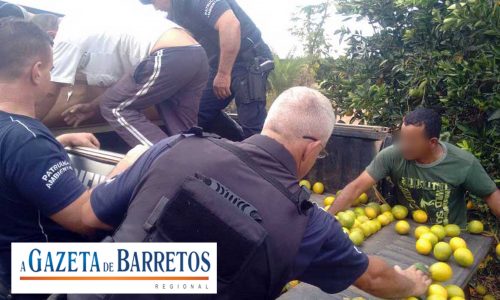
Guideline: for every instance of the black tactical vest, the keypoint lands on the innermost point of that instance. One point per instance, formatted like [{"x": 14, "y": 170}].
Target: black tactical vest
[{"x": 275, "y": 215}]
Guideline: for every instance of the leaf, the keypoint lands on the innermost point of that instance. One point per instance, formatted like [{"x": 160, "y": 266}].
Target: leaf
[
  {"x": 383, "y": 62},
  {"x": 491, "y": 32},
  {"x": 494, "y": 116}
]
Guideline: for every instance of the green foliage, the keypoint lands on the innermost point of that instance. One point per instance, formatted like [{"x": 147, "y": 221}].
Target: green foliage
[
  {"x": 310, "y": 28},
  {"x": 439, "y": 54},
  {"x": 288, "y": 72}
]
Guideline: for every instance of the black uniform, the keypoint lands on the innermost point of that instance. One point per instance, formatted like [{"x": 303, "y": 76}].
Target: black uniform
[
  {"x": 301, "y": 243},
  {"x": 250, "y": 71}
]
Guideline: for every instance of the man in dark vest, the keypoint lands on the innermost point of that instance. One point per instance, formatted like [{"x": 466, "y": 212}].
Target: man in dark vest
[
  {"x": 304, "y": 243},
  {"x": 240, "y": 62}
]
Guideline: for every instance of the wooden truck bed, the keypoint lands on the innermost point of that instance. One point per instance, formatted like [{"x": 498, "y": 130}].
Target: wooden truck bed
[{"x": 397, "y": 250}]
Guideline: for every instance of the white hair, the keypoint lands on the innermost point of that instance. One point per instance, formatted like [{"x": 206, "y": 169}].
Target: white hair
[{"x": 301, "y": 111}]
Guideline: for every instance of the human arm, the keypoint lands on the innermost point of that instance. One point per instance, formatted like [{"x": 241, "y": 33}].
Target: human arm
[
  {"x": 220, "y": 16},
  {"x": 230, "y": 42},
  {"x": 109, "y": 201},
  {"x": 79, "y": 113},
  {"x": 493, "y": 201},
  {"x": 479, "y": 183},
  {"x": 328, "y": 259},
  {"x": 378, "y": 169},
  {"x": 79, "y": 140},
  {"x": 384, "y": 281},
  {"x": 124, "y": 188},
  {"x": 66, "y": 61},
  {"x": 70, "y": 217},
  {"x": 351, "y": 192},
  {"x": 42, "y": 174}
]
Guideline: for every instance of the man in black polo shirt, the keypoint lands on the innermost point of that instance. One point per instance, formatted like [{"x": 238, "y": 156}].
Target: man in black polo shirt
[
  {"x": 239, "y": 59},
  {"x": 40, "y": 195},
  {"x": 308, "y": 246}
]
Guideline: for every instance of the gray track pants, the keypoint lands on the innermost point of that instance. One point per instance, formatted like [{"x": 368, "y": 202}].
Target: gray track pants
[{"x": 172, "y": 79}]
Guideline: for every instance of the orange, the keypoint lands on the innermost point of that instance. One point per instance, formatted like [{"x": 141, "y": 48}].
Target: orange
[
  {"x": 370, "y": 212},
  {"x": 305, "y": 183},
  {"x": 420, "y": 216},
  {"x": 402, "y": 227},
  {"x": 431, "y": 237},
  {"x": 423, "y": 246},
  {"x": 475, "y": 227},
  {"x": 421, "y": 230},
  {"x": 328, "y": 201},
  {"x": 318, "y": 188},
  {"x": 441, "y": 272},
  {"x": 457, "y": 242},
  {"x": 400, "y": 212}
]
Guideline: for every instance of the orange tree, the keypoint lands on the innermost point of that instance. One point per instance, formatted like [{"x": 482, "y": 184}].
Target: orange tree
[
  {"x": 432, "y": 53},
  {"x": 439, "y": 54}
]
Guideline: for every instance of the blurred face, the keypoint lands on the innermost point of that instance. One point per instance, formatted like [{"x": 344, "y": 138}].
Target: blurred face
[
  {"x": 162, "y": 5},
  {"x": 414, "y": 142}
]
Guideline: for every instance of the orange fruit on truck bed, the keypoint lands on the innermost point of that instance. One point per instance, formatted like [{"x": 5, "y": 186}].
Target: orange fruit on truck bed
[
  {"x": 421, "y": 230},
  {"x": 475, "y": 227},
  {"x": 457, "y": 242},
  {"x": 442, "y": 251},
  {"x": 464, "y": 257},
  {"x": 318, "y": 188},
  {"x": 402, "y": 227},
  {"x": 439, "y": 231},
  {"x": 441, "y": 272},
  {"x": 419, "y": 216},
  {"x": 328, "y": 201},
  {"x": 423, "y": 246},
  {"x": 400, "y": 212},
  {"x": 452, "y": 230}
]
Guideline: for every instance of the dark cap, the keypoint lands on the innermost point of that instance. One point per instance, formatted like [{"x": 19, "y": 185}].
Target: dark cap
[
  {"x": 146, "y": 2},
  {"x": 12, "y": 10}
]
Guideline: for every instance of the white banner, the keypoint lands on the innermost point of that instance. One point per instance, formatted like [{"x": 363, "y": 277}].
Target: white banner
[{"x": 114, "y": 268}]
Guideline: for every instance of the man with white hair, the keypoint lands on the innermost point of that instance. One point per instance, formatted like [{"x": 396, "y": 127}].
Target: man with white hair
[{"x": 256, "y": 180}]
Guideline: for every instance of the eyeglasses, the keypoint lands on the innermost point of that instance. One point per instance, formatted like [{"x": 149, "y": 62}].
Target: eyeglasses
[{"x": 323, "y": 153}]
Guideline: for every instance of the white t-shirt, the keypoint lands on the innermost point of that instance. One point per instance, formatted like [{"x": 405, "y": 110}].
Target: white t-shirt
[{"x": 103, "y": 49}]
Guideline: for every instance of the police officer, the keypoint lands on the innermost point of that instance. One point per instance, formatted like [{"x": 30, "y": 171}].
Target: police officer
[
  {"x": 304, "y": 242},
  {"x": 40, "y": 194},
  {"x": 240, "y": 61}
]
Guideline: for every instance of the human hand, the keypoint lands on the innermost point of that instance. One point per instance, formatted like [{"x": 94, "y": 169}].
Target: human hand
[
  {"x": 222, "y": 86},
  {"x": 421, "y": 281},
  {"x": 79, "y": 140},
  {"x": 79, "y": 113}
]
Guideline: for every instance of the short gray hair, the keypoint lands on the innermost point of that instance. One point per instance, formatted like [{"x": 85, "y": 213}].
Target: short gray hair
[{"x": 301, "y": 111}]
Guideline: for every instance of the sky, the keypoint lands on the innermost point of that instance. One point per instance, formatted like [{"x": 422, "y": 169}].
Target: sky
[{"x": 271, "y": 16}]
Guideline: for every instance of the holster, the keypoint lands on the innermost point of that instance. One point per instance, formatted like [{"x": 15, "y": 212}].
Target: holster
[{"x": 252, "y": 87}]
